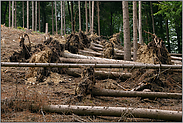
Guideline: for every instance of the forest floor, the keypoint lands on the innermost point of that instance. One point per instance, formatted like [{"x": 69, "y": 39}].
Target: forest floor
[{"x": 59, "y": 89}]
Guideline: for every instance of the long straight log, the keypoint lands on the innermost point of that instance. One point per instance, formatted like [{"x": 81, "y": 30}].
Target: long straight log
[
  {"x": 120, "y": 93},
  {"x": 176, "y": 54},
  {"x": 112, "y": 111},
  {"x": 102, "y": 74},
  {"x": 66, "y": 65},
  {"x": 176, "y": 58}
]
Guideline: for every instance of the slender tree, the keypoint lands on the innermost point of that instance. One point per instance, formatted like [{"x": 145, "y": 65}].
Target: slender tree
[
  {"x": 32, "y": 15},
  {"x": 27, "y": 14},
  {"x": 61, "y": 19},
  {"x": 72, "y": 22},
  {"x": 35, "y": 15},
  {"x": 64, "y": 17},
  {"x": 56, "y": 16},
  {"x": 86, "y": 14},
  {"x": 140, "y": 25},
  {"x": 52, "y": 17},
  {"x": 152, "y": 17},
  {"x": 12, "y": 14},
  {"x": 98, "y": 18},
  {"x": 39, "y": 16},
  {"x": 15, "y": 15},
  {"x": 9, "y": 13},
  {"x": 92, "y": 17},
  {"x": 167, "y": 35},
  {"x": 126, "y": 31},
  {"x": 135, "y": 31},
  {"x": 23, "y": 12},
  {"x": 79, "y": 15}
]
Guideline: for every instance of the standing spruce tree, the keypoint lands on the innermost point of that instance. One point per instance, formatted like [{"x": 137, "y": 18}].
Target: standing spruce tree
[
  {"x": 126, "y": 31},
  {"x": 9, "y": 13},
  {"x": 140, "y": 24},
  {"x": 135, "y": 31},
  {"x": 35, "y": 15},
  {"x": 52, "y": 17},
  {"x": 27, "y": 14},
  {"x": 98, "y": 18},
  {"x": 12, "y": 14},
  {"x": 86, "y": 14},
  {"x": 32, "y": 15},
  {"x": 79, "y": 15},
  {"x": 56, "y": 16}
]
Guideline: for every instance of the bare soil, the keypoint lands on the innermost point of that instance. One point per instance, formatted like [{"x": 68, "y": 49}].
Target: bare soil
[{"x": 18, "y": 92}]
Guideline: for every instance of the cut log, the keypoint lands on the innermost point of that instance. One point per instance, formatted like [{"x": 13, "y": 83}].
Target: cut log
[
  {"x": 120, "y": 93},
  {"x": 176, "y": 58},
  {"x": 102, "y": 74},
  {"x": 176, "y": 54},
  {"x": 91, "y": 52},
  {"x": 65, "y": 65},
  {"x": 98, "y": 45},
  {"x": 112, "y": 111}
]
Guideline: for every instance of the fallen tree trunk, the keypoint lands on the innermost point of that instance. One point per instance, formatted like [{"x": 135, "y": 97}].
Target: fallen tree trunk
[
  {"x": 176, "y": 58},
  {"x": 176, "y": 54},
  {"x": 119, "y": 93},
  {"x": 112, "y": 111},
  {"x": 65, "y": 65},
  {"x": 91, "y": 52},
  {"x": 101, "y": 74}
]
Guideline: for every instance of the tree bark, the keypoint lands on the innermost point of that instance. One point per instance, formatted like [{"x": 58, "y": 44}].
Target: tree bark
[
  {"x": 39, "y": 17},
  {"x": 61, "y": 19},
  {"x": 56, "y": 16},
  {"x": 178, "y": 38},
  {"x": 86, "y": 14},
  {"x": 15, "y": 15},
  {"x": 35, "y": 15},
  {"x": 152, "y": 18},
  {"x": 72, "y": 21},
  {"x": 27, "y": 14},
  {"x": 65, "y": 65},
  {"x": 12, "y": 14},
  {"x": 92, "y": 17},
  {"x": 120, "y": 93},
  {"x": 98, "y": 18},
  {"x": 64, "y": 17},
  {"x": 9, "y": 13},
  {"x": 52, "y": 17},
  {"x": 112, "y": 111},
  {"x": 101, "y": 74},
  {"x": 32, "y": 15},
  {"x": 23, "y": 12},
  {"x": 126, "y": 30},
  {"x": 135, "y": 47},
  {"x": 140, "y": 24},
  {"x": 79, "y": 15},
  {"x": 167, "y": 36},
  {"x": 69, "y": 11}
]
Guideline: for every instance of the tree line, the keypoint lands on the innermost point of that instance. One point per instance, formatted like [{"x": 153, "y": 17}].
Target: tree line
[{"x": 104, "y": 18}]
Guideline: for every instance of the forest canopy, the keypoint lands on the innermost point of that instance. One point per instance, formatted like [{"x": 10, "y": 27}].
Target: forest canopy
[{"x": 166, "y": 15}]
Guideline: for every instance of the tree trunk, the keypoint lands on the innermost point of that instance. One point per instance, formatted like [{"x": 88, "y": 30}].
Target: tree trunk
[
  {"x": 35, "y": 15},
  {"x": 152, "y": 18},
  {"x": 120, "y": 93},
  {"x": 56, "y": 16},
  {"x": 61, "y": 20},
  {"x": 92, "y": 17},
  {"x": 79, "y": 15},
  {"x": 52, "y": 17},
  {"x": 178, "y": 38},
  {"x": 23, "y": 12},
  {"x": 65, "y": 65},
  {"x": 32, "y": 15},
  {"x": 64, "y": 17},
  {"x": 111, "y": 25},
  {"x": 15, "y": 15},
  {"x": 112, "y": 111},
  {"x": 86, "y": 14},
  {"x": 69, "y": 11},
  {"x": 140, "y": 24},
  {"x": 27, "y": 14},
  {"x": 39, "y": 17},
  {"x": 101, "y": 74},
  {"x": 9, "y": 13},
  {"x": 98, "y": 18},
  {"x": 167, "y": 36},
  {"x": 135, "y": 47},
  {"x": 126, "y": 30},
  {"x": 12, "y": 14},
  {"x": 72, "y": 21}
]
